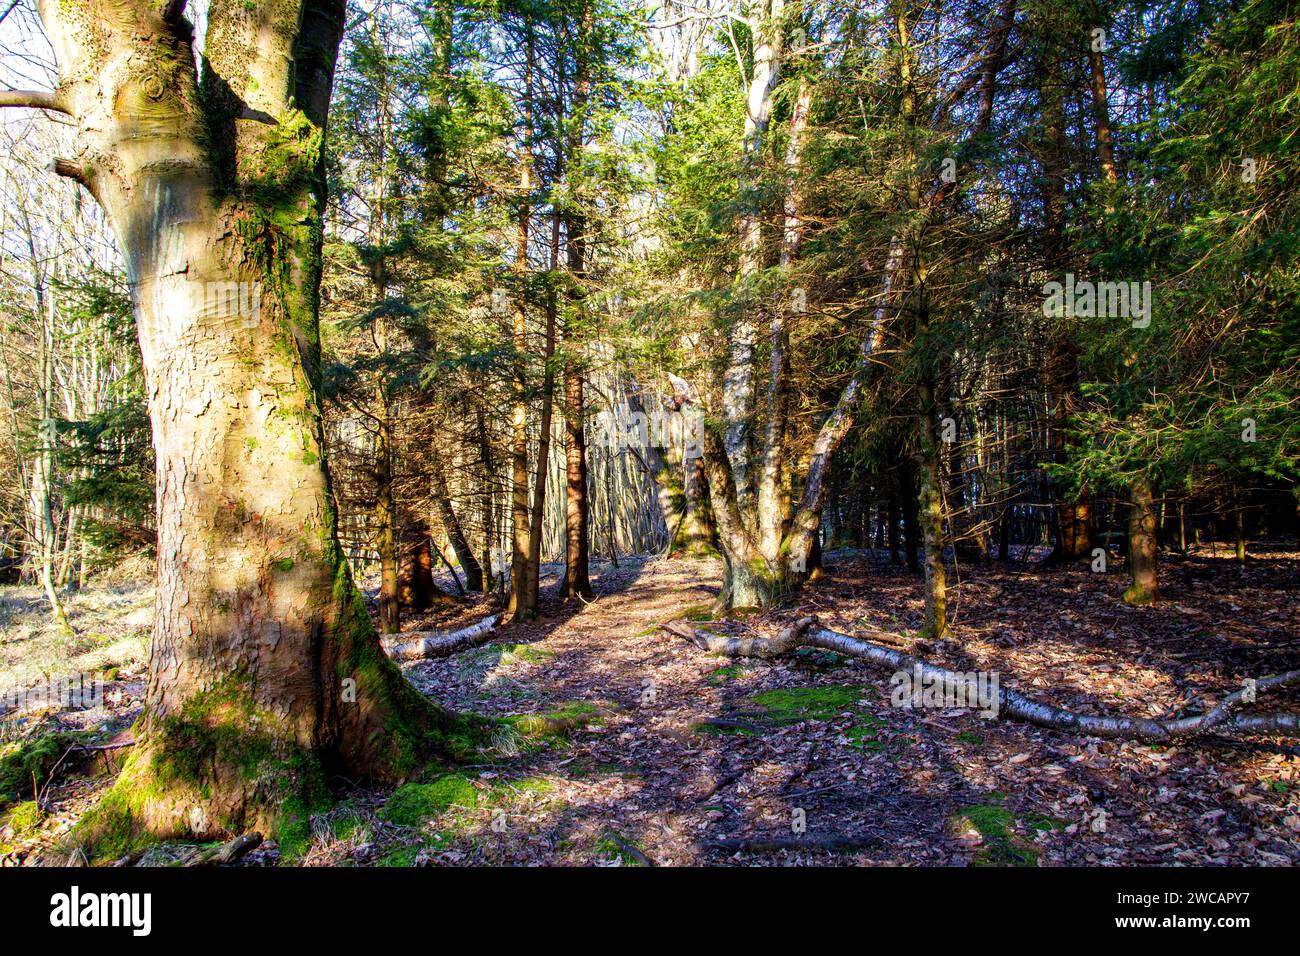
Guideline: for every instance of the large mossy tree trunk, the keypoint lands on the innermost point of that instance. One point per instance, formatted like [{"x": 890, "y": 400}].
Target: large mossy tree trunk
[{"x": 266, "y": 674}]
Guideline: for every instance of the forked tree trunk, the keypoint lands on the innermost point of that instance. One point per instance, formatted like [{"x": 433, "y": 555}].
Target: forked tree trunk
[{"x": 265, "y": 672}]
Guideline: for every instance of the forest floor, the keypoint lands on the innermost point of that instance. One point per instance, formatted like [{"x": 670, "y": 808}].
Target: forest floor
[{"x": 621, "y": 744}]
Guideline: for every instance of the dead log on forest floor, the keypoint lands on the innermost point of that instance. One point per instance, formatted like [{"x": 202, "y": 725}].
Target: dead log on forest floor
[
  {"x": 419, "y": 645},
  {"x": 225, "y": 854},
  {"x": 1223, "y": 717}
]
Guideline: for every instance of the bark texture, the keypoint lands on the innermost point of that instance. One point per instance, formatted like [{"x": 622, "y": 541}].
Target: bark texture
[{"x": 265, "y": 671}]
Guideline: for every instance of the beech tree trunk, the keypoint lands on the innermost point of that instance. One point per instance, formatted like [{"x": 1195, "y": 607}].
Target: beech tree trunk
[{"x": 265, "y": 672}]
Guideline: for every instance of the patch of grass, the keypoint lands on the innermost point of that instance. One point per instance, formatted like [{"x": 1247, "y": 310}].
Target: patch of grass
[
  {"x": 25, "y": 817},
  {"x": 529, "y": 785},
  {"x": 415, "y": 803},
  {"x": 1001, "y": 846},
  {"x": 557, "y": 724},
  {"x": 698, "y": 613},
  {"x": 399, "y": 856},
  {"x": 1043, "y": 823},
  {"x": 970, "y": 737}
]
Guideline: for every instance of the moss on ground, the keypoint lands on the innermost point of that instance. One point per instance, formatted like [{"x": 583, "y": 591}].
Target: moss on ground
[
  {"x": 1001, "y": 846},
  {"x": 609, "y": 848},
  {"x": 27, "y": 763},
  {"x": 864, "y": 734},
  {"x": 727, "y": 673},
  {"x": 791, "y": 705},
  {"x": 413, "y": 804},
  {"x": 25, "y": 817},
  {"x": 553, "y": 726}
]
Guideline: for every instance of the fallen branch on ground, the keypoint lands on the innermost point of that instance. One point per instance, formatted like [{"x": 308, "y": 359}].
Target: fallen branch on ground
[
  {"x": 1223, "y": 717},
  {"x": 417, "y": 645},
  {"x": 223, "y": 855},
  {"x": 828, "y": 844},
  {"x": 631, "y": 849}
]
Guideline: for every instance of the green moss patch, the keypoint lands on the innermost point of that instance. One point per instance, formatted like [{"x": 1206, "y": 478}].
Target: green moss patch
[
  {"x": 1002, "y": 847},
  {"x": 416, "y": 803},
  {"x": 791, "y": 705},
  {"x": 557, "y": 724},
  {"x": 28, "y": 762},
  {"x": 724, "y": 674},
  {"x": 864, "y": 735}
]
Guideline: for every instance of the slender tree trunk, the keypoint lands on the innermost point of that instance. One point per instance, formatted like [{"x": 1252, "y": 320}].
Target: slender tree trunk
[
  {"x": 577, "y": 580},
  {"x": 536, "y": 521},
  {"x": 930, "y": 501},
  {"x": 519, "y": 608},
  {"x": 455, "y": 534},
  {"x": 385, "y": 519}
]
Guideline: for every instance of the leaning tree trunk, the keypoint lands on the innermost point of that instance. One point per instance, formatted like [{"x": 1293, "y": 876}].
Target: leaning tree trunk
[
  {"x": 455, "y": 533},
  {"x": 265, "y": 673}
]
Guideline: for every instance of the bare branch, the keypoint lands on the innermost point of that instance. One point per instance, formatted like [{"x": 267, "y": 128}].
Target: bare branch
[{"x": 32, "y": 99}]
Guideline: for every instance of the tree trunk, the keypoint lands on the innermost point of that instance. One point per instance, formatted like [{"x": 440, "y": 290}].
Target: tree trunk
[
  {"x": 577, "y": 580},
  {"x": 697, "y": 537},
  {"x": 415, "y": 586},
  {"x": 386, "y": 520},
  {"x": 519, "y": 608},
  {"x": 930, "y": 499},
  {"x": 265, "y": 674},
  {"x": 455, "y": 534},
  {"x": 1142, "y": 543}
]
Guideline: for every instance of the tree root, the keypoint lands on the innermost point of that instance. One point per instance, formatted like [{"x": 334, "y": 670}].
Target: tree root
[
  {"x": 1222, "y": 718},
  {"x": 420, "y": 645}
]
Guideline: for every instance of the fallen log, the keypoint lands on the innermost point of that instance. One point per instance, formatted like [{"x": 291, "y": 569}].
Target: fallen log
[
  {"x": 1223, "y": 717},
  {"x": 418, "y": 645},
  {"x": 226, "y": 853}
]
